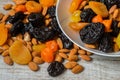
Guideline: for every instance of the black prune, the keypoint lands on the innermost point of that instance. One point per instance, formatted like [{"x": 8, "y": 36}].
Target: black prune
[
  {"x": 110, "y": 3},
  {"x": 18, "y": 16},
  {"x": 43, "y": 34},
  {"x": 55, "y": 25},
  {"x": 37, "y": 19},
  {"x": 106, "y": 43},
  {"x": 92, "y": 32},
  {"x": 55, "y": 68},
  {"x": 51, "y": 11},
  {"x": 87, "y": 15},
  {"x": 115, "y": 28},
  {"x": 66, "y": 42},
  {"x": 17, "y": 28}
]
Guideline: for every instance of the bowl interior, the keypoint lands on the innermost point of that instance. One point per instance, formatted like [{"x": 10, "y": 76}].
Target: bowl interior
[{"x": 63, "y": 18}]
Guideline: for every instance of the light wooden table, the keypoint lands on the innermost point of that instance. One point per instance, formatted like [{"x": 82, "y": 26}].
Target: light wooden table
[{"x": 99, "y": 69}]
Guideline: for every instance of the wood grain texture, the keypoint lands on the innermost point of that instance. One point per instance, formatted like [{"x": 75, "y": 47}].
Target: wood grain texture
[{"x": 99, "y": 69}]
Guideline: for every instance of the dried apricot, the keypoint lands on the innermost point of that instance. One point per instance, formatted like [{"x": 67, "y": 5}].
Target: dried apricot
[
  {"x": 74, "y": 5},
  {"x": 19, "y": 53},
  {"x": 3, "y": 33},
  {"x": 20, "y": 8},
  {"x": 39, "y": 47},
  {"x": 33, "y": 6},
  {"x": 47, "y": 3},
  {"x": 47, "y": 55},
  {"x": 76, "y": 16},
  {"x": 52, "y": 45},
  {"x": 99, "y": 8}
]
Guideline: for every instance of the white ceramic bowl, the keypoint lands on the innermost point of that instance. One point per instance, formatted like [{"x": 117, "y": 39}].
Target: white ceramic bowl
[{"x": 63, "y": 18}]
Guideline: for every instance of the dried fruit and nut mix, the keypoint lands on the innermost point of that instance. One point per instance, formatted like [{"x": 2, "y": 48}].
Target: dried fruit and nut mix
[
  {"x": 30, "y": 35},
  {"x": 98, "y": 23}
]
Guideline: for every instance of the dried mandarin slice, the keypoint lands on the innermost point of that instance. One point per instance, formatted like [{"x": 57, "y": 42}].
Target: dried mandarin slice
[
  {"x": 3, "y": 33},
  {"x": 19, "y": 53},
  {"x": 33, "y": 6}
]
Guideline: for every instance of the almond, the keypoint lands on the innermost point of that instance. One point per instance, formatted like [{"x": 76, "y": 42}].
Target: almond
[
  {"x": 77, "y": 69},
  {"x": 86, "y": 57},
  {"x": 33, "y": 66},
  {"x": 63, "y": 55},
  {"x": 38, "y": 60},
  {"x": 70, "y": 65},
  {"x": 8, "y": 60}
]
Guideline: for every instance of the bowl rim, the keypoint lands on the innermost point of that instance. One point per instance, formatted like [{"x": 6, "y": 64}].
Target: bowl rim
[{"x": 105, "y": 55}]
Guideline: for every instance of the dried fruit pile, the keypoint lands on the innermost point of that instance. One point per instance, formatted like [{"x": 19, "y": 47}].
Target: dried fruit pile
[
  {"x": 98, "y": 23},
  {"x": 30, "y": 35}
]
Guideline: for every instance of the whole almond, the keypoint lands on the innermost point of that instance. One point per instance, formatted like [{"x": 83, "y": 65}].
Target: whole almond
[
  {"x": 115, "y": 14},
  {"x": 112, "y": 9},
  {"x": 81, "y": 52},
  {"x": 86, "y": 57},
  {"x": 5, "y": 53},
  {"x": 59, "y": 42},
  {"x": 75, "y": 46},
  {"x": 77, "y": 69},
  {"x": 89, "y": 53},
  {"x": 73, "y": 58},
  {"x": 64, "y": 50},
  {"x": 33, "y": 66},
  {"x": 73, "y": 51},
  {"x": 34, "y": 41},
  {"x": 58, "y": 58},
  {"x": 90, "y": 46},
  {"x": 38, "y": 60},
  {"x": 34, "y": 54},
  {"x": 63, "y": 55},
  {"x": 70, "y": 65},
  {"x": 8, "y": 60}
]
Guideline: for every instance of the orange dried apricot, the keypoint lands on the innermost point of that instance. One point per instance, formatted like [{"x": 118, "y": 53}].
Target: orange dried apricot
[
  {"x": 47, "y": 3},
  {"x": 74, "y": 5},
  {"x": 97, "y": 18},
  {"x": 20, "y": 8},
  {"x": 107, "y": 24},
  {"x": 3, "y": 33},
  {"x": 47, "y": 55},
  {"x": 33, "y": 6},
  {"x": 19, "y": 53},
  {"x": 52, "y": 45}
]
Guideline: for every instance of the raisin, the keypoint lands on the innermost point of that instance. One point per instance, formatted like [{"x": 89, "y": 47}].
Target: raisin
[
  {"x": 55, "y": 25},
  {"x": 55, "y": 68},
  {"x": 51, "y": 11},
  {"x": 37, "y": 19},
  {"x": 106, "y": 43},
  {"x": 18, "y": 16},
  {"x": 66, "y": 42},
  {"x": 17, "y": 28},
  {"x": 115, "y": 28},
  {"x": 87, "y": 15},
  {"x": 92, "y": 32},
  {"x": 43, "y": 34}
]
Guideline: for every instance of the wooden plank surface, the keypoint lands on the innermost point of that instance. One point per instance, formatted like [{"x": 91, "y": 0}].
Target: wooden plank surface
[{"x": 99, "y": 69}]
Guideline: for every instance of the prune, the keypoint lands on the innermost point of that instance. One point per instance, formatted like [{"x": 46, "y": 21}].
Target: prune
[
  {"x": 43, "y": 34},
  {"x": 37, "y": 19},
  {"x": 110, "y": 3},
  {"x": 18, "y": 16},
  {"x": 55, "y": 25},
  {"x": 51, "y": 11},
  {"x": 106, "y": 43},
  {"x": 55, "y": 68},
  {"x": 92, "y": 32},
  {"x": 87, "y": 15},
  {"x": 115, "y": 28},
  {"x": 17, "y": 28},
  {"x": 66, "y": 42}
]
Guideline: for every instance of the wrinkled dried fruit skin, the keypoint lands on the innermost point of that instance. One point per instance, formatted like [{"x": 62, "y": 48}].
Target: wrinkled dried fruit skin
[
  {"x": 92, "y": 32},
  {"x": 51, "y": 11},
  {"x": 106, "y": 43},
  {"x": 17, "y": 28},
  {"x": 110, "y": 3},
  {"x": 87, "y": 15},
  {"x": 66, "y": 42},
  {"x": 55, "y": 25},
  {"x": 37, "y": 19},
  {"x": 43, "y": 34},
  {"x": 55, "y": 68},
  {"x": 18, "y": 16},
  {"x": 115, "y": 28}
]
